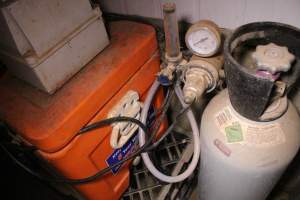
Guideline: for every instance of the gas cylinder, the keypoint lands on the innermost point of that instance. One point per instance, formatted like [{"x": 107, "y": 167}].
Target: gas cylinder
[
  {"x": 250, "y": 132},
  {"x": 242, "y": 159}
]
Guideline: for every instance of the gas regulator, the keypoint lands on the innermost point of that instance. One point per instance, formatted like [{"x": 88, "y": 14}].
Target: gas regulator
[{"x": 200, "y": 74}]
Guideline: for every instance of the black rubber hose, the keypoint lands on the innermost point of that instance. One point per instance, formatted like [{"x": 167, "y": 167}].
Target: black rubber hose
[
  {"x": 93, "y": 126},
  {"x": 97, "y": 125}
]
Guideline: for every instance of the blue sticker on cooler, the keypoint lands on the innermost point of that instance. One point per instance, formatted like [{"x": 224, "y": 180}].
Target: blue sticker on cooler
[{"x": 128, "y": 148}]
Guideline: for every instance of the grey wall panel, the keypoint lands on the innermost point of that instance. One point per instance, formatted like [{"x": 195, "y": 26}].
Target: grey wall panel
[{"x": 227, "y": 13}]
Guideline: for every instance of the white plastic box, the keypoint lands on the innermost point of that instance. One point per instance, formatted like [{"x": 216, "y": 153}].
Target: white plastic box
[{"x": 46, "y": 42}]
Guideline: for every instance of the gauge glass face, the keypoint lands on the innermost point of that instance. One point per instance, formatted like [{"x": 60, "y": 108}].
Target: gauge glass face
[{"x": 203, "y": 41}]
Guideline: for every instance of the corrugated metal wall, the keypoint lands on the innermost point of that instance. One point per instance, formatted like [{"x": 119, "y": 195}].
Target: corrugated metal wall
[{"x": 226, "y": 13}]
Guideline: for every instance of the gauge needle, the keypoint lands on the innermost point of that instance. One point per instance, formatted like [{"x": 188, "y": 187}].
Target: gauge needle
[{"x": 200, "y": 41}]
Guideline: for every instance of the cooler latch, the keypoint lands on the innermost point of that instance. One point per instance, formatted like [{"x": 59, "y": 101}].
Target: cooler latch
[{"x": 128, "y": 106}]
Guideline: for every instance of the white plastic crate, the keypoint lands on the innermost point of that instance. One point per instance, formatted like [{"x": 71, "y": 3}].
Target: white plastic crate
[{"x": 46, "y": 42}]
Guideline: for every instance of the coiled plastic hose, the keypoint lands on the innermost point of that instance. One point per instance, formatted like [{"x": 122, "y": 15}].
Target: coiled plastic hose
[{"x": 195, "y": 134}]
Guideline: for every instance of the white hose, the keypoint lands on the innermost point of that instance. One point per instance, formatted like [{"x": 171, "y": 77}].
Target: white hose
[{"x": 195, "y": 133}]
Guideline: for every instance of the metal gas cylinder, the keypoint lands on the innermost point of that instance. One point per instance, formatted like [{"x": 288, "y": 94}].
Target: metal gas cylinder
[
  {"x": 250, "y": 132},
  {"x": 242, "y": 159}
]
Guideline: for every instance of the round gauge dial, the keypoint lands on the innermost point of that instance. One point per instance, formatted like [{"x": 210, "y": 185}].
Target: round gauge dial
[{"x": 203, "y": 38}]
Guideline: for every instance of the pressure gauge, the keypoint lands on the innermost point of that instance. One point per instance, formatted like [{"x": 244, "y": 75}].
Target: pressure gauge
[{"x": 203, "y": 38}]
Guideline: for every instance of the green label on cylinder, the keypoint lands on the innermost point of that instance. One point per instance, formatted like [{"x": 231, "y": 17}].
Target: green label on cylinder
[{"x": 234, "y": 133}]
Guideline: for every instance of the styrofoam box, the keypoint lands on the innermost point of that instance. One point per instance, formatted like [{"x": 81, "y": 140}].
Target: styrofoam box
[{"x": 46, "y": 42}]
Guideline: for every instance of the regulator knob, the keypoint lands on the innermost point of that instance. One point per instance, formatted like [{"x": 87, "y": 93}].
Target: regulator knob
[{"x": 273, "y": 58}]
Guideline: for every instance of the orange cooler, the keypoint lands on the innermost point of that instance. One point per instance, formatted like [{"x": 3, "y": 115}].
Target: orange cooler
[{"x": 51, "y": 123}]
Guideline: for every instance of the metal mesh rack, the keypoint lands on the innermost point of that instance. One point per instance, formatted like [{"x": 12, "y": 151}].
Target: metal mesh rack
[{"x": 143, "y": 186}]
